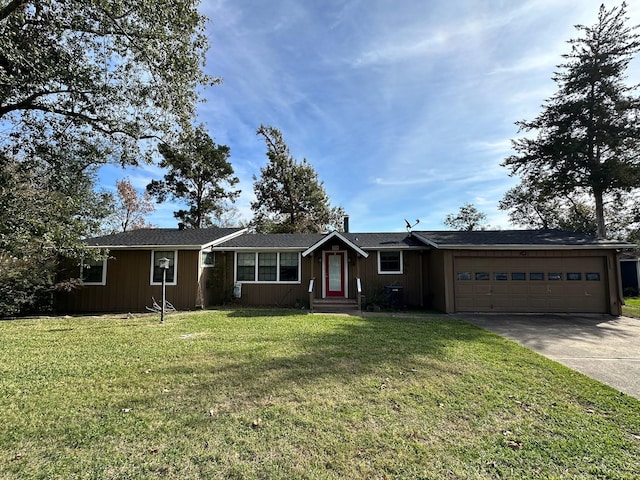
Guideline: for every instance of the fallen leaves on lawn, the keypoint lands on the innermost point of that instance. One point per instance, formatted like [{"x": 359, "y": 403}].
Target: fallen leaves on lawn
[{"x": 514, "y": 445}]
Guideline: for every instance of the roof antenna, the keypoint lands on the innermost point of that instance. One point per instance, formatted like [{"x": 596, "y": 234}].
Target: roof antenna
[{"x": 409, "y": 226}]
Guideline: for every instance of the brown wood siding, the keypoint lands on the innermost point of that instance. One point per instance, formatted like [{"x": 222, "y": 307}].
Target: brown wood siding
[
  {"x": 437, "y": 280},
  {"x": 258, "y": 294},
  {"x": 128, "y": 287},
  {"x": 374, "y": 283}
]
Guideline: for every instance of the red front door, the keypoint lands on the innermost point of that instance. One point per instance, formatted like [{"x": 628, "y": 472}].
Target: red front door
[{"x": 334, "y": 274}]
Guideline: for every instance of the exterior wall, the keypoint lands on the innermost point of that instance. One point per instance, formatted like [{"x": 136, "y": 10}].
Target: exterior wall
[
  {"x": 260, "y": 294},
  {"x": 128, "y": 287},
  {"x": 411, "y": 278},
  {"x": 438, "y": 280},
  {"x": 373, "y": 283}
]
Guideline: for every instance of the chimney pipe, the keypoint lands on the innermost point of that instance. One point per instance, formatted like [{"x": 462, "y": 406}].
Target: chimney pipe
[{"x": 345, "y": 223}]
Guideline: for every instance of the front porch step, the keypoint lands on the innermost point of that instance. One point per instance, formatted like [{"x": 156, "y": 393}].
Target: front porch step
[{"x": 334, "y": 305}]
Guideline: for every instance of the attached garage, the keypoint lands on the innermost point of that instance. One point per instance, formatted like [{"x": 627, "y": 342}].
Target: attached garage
[
  {"x": 547, "y": 284},
  {"x": 524, "y": 271}
]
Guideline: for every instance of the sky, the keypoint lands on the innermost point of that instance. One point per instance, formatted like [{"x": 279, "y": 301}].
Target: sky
[{"x": 405, "y": 108}]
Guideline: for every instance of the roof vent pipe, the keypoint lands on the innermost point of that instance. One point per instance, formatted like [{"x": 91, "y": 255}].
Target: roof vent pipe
[
  {"x": 345, "y": 224},
  {"x": 180, "y": 226}
]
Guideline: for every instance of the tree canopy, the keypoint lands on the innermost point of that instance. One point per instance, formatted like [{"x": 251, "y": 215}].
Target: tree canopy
[
  {"x": 468, "y": 218},
  {"x": 587, "y": 137},
  {"x": 82, "y": 83},
  {"x": 290, "y": 198},
  {"x": 199, "y": 174},
  {"x": 45, "y": 211},
  {"x": 98, "y": 74}
]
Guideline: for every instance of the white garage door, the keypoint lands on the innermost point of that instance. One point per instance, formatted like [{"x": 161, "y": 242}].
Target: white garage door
[{"x": 572, "y": 284}]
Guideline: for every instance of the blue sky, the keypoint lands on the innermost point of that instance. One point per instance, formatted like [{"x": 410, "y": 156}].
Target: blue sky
[{"x": 405, "y": 108}]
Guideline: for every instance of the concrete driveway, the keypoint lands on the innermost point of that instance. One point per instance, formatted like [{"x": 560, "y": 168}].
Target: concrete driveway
[{"x": 602, "y": 347}]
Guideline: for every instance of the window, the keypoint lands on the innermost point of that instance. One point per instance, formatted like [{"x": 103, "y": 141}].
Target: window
[
  {"x": 268, "y": 267},
  {"x": 246, "y": 267},
  {"x": 554, "y": 276},
  {"x": 592, "y": 276},
  {"x": 500, "y": 276},
  {"x": 208, "y": 259},
  {"x": 518, "y": 276},
  {"x": 94, "y": 272},
  {"x": 482, "y": 275},
  {"x": 536, "y": 276},
  {"x": 574, "y": 276},
  {"x": 157, "y": 272},
  {"x": 464, "y": 275},
  {"x": 390, "y": 262},
  {"x": 289, "y": 267}
]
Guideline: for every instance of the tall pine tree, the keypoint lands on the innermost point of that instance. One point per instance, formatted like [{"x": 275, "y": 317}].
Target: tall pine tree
[
  {"x": 587, "y": 136},
  {"x": 289, "y": 196},
  {"x": 200, "y": 175}
]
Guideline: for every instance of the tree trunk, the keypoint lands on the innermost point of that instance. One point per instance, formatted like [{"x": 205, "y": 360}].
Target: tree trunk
[{"x": 601, "y": 231}]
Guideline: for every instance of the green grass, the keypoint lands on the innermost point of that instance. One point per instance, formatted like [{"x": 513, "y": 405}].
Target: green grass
[
  {"x": 278, "y": 395},
  {"x": 631, "y": 308}
]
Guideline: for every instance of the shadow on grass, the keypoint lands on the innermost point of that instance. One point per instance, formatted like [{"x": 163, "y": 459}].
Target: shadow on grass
[
  {"x": 344, "y": 350},
  {"x": 266, "y": 312}
]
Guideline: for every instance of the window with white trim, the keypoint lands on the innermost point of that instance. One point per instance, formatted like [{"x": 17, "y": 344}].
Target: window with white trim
[
  {"x": 389, "y": 261},
  {"x": 268, "y": 267},
  {"x": 208, "y": 258},
  {"x": 94, "y": 272},
  {"x": 156, "y": 271}
]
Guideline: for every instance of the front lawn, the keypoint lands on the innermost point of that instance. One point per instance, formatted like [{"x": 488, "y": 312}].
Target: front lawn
[
  {"x": 280, "y": 395},
  {"x": 631, "y": 308}
]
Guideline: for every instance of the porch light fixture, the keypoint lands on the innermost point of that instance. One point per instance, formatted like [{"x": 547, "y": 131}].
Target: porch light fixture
[{"x": 163, "y": 263}]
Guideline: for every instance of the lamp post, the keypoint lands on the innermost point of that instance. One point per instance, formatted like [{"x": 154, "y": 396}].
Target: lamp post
[{"x": 163, "y": 263}]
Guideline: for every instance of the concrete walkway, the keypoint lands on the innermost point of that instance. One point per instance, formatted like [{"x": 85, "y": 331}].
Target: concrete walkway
[{"x": 602, "y": 347}]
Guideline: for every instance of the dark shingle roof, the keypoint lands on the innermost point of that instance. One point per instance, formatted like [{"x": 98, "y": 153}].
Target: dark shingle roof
[
  {"x": 376, "y": 241},
  {"x": 302, "y": 241},
  {"x": 163, "y": 237},
  {"x": 272, "y": 240},
  {"x": 515, "y": 238}
]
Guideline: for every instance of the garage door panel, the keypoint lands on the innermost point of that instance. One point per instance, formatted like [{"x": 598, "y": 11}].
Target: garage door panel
[
  {"x": 500, "y": 289},
  {"x": 511, "y": 287}
]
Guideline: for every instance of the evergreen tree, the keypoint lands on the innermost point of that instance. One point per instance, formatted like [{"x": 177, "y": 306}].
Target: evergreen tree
[
  {"x": 587, "y": 135},
  {"x": 289, "y": 196}
]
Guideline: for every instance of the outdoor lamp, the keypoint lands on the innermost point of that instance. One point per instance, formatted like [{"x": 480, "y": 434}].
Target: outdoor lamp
[{"x": 163, "y": 263}]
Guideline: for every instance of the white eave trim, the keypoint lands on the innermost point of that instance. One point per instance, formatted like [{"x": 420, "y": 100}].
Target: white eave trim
[
  {"x": 224, "y": 239},
  {"x": 528, "y": 247},
  {"x": 257, "y": 248},
  {"x": 330, "y": 237}
]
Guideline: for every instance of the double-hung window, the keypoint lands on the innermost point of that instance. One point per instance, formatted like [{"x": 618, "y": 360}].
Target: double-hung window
[
  {"x": 390, "y": 262},
  {"x": 268, "y": 267},
  {"x": 157, "y": 272}
]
